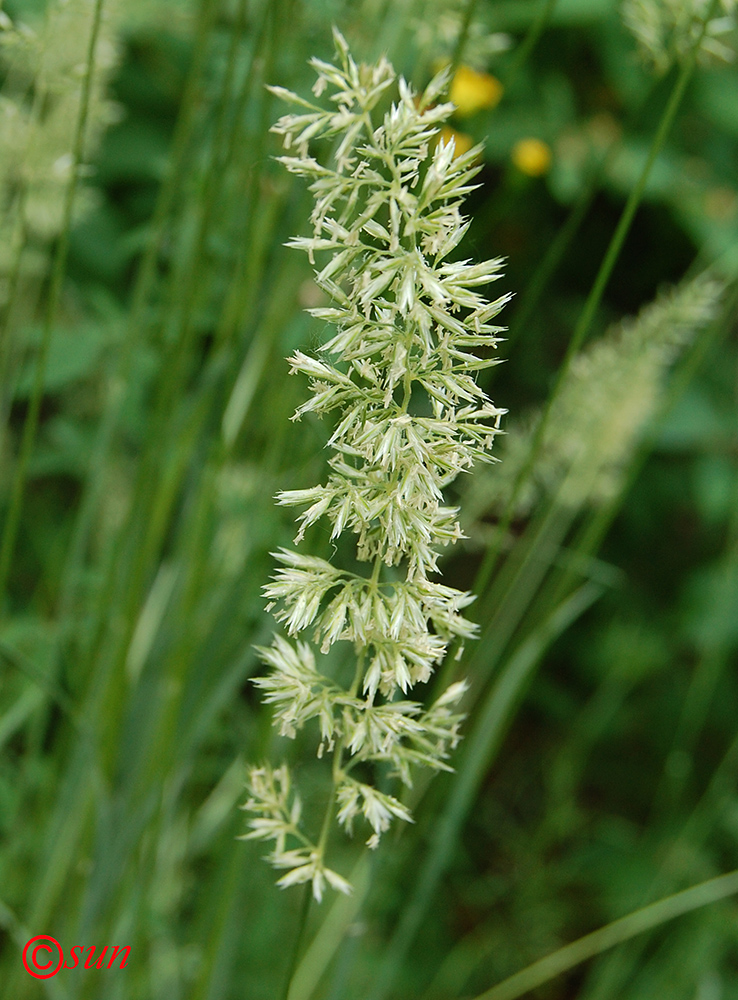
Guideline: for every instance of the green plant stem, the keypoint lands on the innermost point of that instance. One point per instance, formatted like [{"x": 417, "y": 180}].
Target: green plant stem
[
  {"x": 137, "y": 324},
  {"x": 524, "y": 50},
  {"x": 69, "y": 823},
  {"x": 552, "y": 259},
  {"x": 30, "y": 427},
  {"x": 18, "y": 241},
  {"x": 185, "y": 287},
  {"x": 714, "y": 659},
  {"x": 229, "y": 896},
  {"x": 332, "y": 932},
  {"x": 196, "y": 540},
  {"x": 322, "y": 841},
  {"x": 156, "y": 492},
  {"x": 299, "y": 935},
  {"x": 557, "y": 249},
  {"x": 701, "y": 820},
  {"x": 245, "y": 283},
  {"x": 503, "y": 607},
  {"x": 593, "y": 531},
  {"x": 591, "y": 305},
  {"x": 461, "y": 41},
  {"x": 482, "y": 745},
  {"x": 45, "y": 684},
  {"x": 617, "y": 932}
]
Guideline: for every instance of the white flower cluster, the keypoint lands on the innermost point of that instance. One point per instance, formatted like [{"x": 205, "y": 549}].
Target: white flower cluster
[
  {"x": 409, "y": 417},
  {"x": 667, "y": 30},
  {"x": 278, "y": 810}
]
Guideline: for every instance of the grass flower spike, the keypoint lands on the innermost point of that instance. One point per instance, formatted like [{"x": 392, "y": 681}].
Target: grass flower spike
[
  {"x": 666, "y": 30},
  {"x": 46, "y": 57},
  {"x": 611, "y": 392},
  {"x": 397, "y": 381}
]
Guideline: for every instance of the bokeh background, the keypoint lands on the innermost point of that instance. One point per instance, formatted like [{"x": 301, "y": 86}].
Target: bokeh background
[{"x": 146, "y": 405}]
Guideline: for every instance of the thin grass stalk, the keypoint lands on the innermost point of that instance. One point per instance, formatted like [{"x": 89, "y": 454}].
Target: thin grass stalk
[
  {"x": 251, "y": 266},
  {"x": 19, "y": 241},
  {"x": 481, "y": 748},
  {"x": 243, "y": 285},
  {"x": 646, "y": 919},
  {"x": 137, "y": 325},
  {"x": 63, "y": 845},
  {"x": 228, "y": 894},
  {"x": 512, "y": 593},
  {"x": 194, "y": 556},
  {"x": 331, "y": 934},
  {"x": 148, "y": 800},
  {"x": 260, "y": 352},
  {"x": 185, "y": 286},
  {"x": 515, "y": 596},
  {"x": 503, "y": 606},
  {"x": 705, "y": 815},
  {"x": 393, "y": 34},
  {"x": 299, "y": 936},
  {"x": 110, "y": 678},
  {"x": 78, "y": 793},
  {"x": 151, "y": 491},
  {"x": 703, "y": 684},
  {"x": 249, "y": 270},
  {"x": 532, "y": 37},
  {"x": 458, "y": 55},
  {"x": 553, "y": 257},
  {"x": 325, "y": 831},
  {"x": 595, "y": 296},
  {"x": 30, "y": 426},
  {"x": 512, "y": 596},
  {"x": 224, "y": 920},
  {"x": 701, "y": 821},
  {"x": 559, "y": 246},
  {"x": 249, "y": 277},
  {"x": 112, "y": 575},
  {"x": 47, "y": 685},
  {"x": 594, "y": 529}
]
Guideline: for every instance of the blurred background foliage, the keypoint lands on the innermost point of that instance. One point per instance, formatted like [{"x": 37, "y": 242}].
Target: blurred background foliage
[{"x": 143, "y": 345}]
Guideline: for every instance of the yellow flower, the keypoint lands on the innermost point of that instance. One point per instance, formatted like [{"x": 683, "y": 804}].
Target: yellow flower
[
  {"x": 463, "y": 141},
  {"x": 532, "y": 157},
  {"x": 472, "y": 91}
]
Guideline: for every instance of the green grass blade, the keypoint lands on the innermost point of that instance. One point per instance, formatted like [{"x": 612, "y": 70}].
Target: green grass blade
[
  {"x": 613, "y": 934},
  {"x": 30, "y": 427},
  {"x": 483, "y": 743}
]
